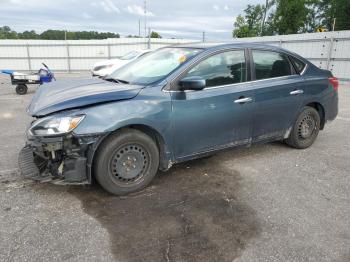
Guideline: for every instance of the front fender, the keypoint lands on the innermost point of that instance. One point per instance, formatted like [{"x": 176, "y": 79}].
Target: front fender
[
  {"x": 148, "y": 108},
  {"x": 151, "y": 108}
]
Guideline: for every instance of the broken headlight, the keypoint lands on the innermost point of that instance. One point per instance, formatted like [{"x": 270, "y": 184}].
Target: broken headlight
[{"x": 51, "y": 126}]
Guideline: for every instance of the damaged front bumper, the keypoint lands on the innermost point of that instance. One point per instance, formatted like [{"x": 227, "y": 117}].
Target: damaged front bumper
[{"x": 60, "y": 160}]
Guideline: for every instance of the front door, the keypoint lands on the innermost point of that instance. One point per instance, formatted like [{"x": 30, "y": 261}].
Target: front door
[{"x": 218, "y": 116}]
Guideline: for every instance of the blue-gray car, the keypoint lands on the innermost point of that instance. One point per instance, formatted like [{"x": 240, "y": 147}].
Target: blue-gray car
[{"x": 172, "y": 105}]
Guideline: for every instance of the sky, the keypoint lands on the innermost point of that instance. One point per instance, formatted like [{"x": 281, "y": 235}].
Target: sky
[{"x": 175, "y": 18}]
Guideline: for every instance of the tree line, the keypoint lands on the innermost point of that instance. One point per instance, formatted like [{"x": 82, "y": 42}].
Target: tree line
[
  {"x": 284, "y": 17},
  {"x": 7, "y": 33}
]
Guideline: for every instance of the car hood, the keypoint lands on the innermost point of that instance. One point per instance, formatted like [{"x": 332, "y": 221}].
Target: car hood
[{"x": 68, "y": 94}]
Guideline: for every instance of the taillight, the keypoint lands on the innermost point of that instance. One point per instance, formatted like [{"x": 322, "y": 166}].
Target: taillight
[{"x": 334, "y": 82}]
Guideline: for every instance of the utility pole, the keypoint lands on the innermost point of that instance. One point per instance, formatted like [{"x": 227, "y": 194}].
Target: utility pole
[
  {"x": 139, "y": 27},
  {"x": 264, "y": 18},
  {"x": 333, "y": 26},
  {"x": 203, "y": 36},
  {"x": 149, "y": 39},
  {"x": 145, "y": 13}
]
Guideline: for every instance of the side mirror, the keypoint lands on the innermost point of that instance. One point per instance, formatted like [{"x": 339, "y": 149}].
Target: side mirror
[{"x": 192, "y": 83}]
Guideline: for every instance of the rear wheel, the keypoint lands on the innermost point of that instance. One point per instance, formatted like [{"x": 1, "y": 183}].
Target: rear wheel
[
  {"x": 21, "y": 89},
  {"x": 305, "y": 129},
  {"x": 126, "y": 162}
]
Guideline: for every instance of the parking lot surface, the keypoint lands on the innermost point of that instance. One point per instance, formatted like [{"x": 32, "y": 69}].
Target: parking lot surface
[{"x": 264, "y": 203}]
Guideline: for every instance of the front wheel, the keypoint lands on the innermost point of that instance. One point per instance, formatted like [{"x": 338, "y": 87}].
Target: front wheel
[
  {"x": 21, "y": 89},
  {"x": 126, "y": 162},
  {"x": 305, "y": 129}
]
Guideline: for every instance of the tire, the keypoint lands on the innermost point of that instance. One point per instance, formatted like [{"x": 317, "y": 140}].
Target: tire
[
  {"x": 21, "y": 89},
  {"x": 305, "y": 129},
  {"x": 126, "y": 162}
]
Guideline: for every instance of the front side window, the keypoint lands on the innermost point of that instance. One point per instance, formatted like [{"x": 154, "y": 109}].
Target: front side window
[
  {"x": 270, "y": 64},
  {"x": 155, "y": 66},
  {"x": 222, "y": 69}
]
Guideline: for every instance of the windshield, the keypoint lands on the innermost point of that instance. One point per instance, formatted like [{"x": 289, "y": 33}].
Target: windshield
[
  {"x": 153, "y": 66},
  {"x": 130, "y": 55}
]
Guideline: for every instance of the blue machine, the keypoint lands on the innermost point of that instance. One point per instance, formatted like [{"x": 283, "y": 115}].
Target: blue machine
[{"x": 44, "y": 75}]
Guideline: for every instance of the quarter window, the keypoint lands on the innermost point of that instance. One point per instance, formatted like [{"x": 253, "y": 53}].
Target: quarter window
[
  {"x": 298, "y": 65},
  {"x": 270, "y": 64},
  {"x": 222, "y": 69}
]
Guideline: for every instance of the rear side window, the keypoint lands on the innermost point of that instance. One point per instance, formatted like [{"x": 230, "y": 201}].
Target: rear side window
[
  {"x": 222, "y": 69},
  {"x": 298, "y": 65},
  {"x": 270, "y": 64}
]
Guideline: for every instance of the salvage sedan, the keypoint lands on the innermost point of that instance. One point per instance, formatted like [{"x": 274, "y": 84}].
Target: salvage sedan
[{"x": 173, "y": 105}]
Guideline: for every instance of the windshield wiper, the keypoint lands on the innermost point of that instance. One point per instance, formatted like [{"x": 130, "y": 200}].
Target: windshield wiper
[{"x": 116, "y": 80}]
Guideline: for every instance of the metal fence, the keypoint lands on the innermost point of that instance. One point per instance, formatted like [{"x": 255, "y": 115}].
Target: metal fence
[
  {"x": 71, "y": 55},
  {"x": 328, "y": 50}
]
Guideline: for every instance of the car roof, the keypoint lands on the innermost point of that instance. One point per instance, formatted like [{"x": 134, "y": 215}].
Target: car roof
[
  {"x": 213, "y": 46},
  {"x": 216, "y": 45}
]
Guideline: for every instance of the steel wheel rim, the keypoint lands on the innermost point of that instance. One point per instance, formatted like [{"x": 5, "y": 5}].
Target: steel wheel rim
[
  {"x": 129, "y": 164},
  {"x": 307, "y": 127}
]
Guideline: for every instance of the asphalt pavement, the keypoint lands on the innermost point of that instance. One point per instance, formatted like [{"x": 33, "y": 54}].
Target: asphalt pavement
[{"x": 264, "y": 203}]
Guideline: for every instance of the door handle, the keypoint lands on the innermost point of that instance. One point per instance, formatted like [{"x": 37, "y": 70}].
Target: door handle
[
  {"x": 297, "y": 92},
  {"x": 243, "y": 100}
]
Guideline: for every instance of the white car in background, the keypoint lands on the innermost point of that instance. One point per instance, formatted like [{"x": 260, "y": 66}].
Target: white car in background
[{"x": 107, "y": 67}]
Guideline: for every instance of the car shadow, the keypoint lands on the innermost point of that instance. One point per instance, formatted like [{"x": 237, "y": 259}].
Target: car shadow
[{"x": 193, "y": 212}]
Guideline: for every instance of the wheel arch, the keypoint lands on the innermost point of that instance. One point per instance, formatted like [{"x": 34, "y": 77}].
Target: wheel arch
[
  {"x": 165, "y": 155},
  {"x": 320, "y": 109}
]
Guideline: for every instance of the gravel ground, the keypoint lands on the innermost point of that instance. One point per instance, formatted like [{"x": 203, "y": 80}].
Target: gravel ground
[{"x": 264, "y": 203}]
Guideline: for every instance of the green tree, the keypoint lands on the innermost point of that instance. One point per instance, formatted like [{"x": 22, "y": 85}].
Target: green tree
[
  {"x": 52, "y": 35},
  {"x": 155, "y": 35},
  {"x": 28, "y": 35},
  {"x": 7, "y": 33},
  {"x": 338, "y": 9},
  {"x": 241, "y": 28},
  {"x": 79, "y": 35},
  {"x": 267, "y": 27},
  {"x": 254, "y": 16},
  {"x": 312, "y": 19},
  {"x": 252, "y": 23},
  {"x": 290, "y": 16}
]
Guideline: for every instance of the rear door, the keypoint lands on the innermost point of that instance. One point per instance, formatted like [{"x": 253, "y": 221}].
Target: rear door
[
  {"x": 278, "y": 94},
  {"x": 214, "y": 117}
]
